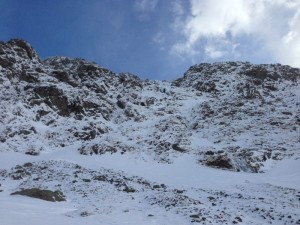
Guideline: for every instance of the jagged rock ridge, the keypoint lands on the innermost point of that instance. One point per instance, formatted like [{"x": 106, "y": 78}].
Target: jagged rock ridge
[
  {"x": 230, "y": 115},
  {"x": 121, "y": 150}
]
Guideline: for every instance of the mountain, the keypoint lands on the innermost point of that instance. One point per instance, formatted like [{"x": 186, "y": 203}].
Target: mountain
[{"x": 219, "y": 145}]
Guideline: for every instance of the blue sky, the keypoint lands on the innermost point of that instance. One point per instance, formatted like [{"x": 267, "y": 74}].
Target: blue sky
[{"x": 157, "y": 39}]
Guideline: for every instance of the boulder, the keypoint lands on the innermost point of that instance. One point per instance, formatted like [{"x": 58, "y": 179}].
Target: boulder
[{"x": 47, "y": 195}]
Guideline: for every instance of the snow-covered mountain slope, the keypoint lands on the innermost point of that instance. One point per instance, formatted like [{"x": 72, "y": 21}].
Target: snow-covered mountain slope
[{"x": 219, "y": 145}]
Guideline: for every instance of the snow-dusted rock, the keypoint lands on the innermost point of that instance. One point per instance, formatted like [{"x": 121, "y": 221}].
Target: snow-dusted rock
[
  {"x": 240, "y": 108},
  {"x": 202, "y": 129}
]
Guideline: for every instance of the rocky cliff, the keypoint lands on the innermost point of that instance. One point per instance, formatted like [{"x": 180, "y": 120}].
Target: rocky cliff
[
  {"x": 230, "y": 115},
  {"x": 218, "y": 146}
]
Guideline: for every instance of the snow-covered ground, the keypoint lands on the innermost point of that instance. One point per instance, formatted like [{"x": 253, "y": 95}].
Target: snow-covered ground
[
  {"x": 276, "y": 193},
  {"x": 218, "y": 146}
]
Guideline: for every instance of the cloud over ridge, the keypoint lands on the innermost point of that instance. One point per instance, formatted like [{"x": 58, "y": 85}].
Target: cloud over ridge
[{"x": 221, "y": 29}]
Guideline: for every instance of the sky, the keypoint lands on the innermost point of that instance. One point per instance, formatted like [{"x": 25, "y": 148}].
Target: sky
[{"x": 157, "y": 39}]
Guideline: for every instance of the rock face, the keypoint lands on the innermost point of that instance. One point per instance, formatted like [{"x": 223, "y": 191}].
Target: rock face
[
  {"x": 46, "y": 195},
  {"x": 236, "y": 111}
]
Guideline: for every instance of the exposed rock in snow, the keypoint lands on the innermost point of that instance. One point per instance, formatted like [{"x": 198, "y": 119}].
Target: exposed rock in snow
[
  {"x": 232, "y": 116},
  {"x": 47, "y": 195},
  {"x": 240, "y": 108}
]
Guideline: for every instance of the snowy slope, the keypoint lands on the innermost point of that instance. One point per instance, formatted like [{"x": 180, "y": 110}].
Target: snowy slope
[{"x": 218, "y": 146}]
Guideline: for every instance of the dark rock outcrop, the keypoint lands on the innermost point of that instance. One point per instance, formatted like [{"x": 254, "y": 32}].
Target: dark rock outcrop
[{"x": 47, "y": 195}]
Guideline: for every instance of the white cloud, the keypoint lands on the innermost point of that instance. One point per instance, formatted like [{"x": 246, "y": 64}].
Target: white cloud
[
  {"x": 215, "y": 18},
  {"x": 177, "y": 7},
  {"x": 290, "y": 48},
  {"x": 213, "y": 53},
  {"x": 145, "y": 8},
  {"x": 145, "y": 5},
  {"x": 274, "y": 24},
  {"x": 159, "y": 38}
]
